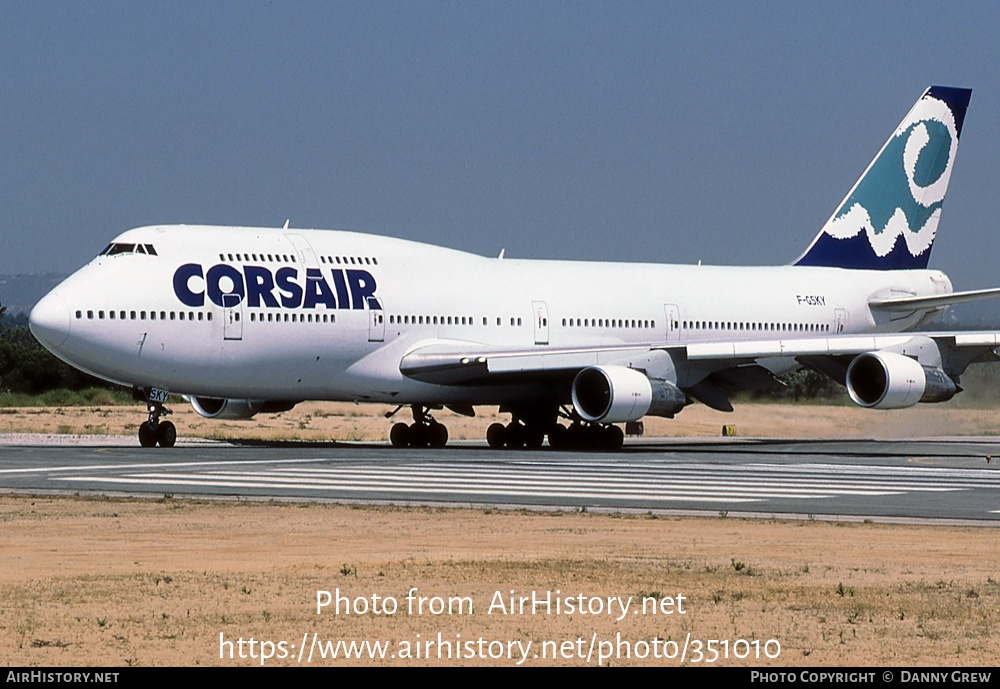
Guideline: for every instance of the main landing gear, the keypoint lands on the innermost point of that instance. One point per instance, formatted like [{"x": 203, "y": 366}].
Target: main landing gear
[
  {"x": 423, "y": 432},
  {"x": 155, "y": 432},
  {"x": 578, "y": 436},
  {"x": 515, "y": 435},
  {"x": 528, "y": 429},
  {"x": 581, "y": 435},
  {"x": 528, "y": 426}
]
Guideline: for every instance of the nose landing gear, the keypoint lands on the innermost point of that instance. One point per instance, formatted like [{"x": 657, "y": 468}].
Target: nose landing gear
[{"x": 154, "y": 432}]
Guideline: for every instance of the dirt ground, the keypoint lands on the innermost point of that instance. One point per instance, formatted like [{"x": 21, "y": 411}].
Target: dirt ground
[
  {"x": 96, "y": 581},
  {"x": 115, "y": 582}
]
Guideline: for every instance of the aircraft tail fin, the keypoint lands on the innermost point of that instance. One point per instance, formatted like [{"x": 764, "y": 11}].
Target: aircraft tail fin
[{"x": 889, "y": 219}]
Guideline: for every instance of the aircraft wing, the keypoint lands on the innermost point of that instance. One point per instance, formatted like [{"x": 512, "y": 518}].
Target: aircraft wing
[
  {"x": 469, "y": 364},
  {"x": 949, "y": 352}
]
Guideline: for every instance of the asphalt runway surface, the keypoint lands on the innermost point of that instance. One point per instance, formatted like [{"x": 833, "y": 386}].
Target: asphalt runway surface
[{"x": 946, "y": 479}]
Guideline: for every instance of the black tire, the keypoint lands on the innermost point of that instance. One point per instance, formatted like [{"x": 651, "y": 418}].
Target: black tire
[
  {"x": 166, "y": 434},
  {"x": 437, "y": 435},
  {"x": 418, "y": 435},
  {"x": 613, "y": 438},
  {"x": 515, "y": 435},
  {"x": 573, "y": 437},
  {"x": 147, "y": 436},
  {"x": 559, "y": 437},
  {"x": 594, "y": 439},
  {"x": 496, "y": 435},
  {"x": 399, "y": 436}
]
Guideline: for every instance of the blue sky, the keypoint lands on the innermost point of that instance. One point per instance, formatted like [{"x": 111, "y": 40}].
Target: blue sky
[{"x": 665, "y": 131}]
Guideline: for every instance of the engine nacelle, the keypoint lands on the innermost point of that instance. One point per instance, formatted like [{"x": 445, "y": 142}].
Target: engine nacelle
[
  {"x": 616, "y": 394},
  {"x": 229, "y": 410},
  {"x": 885, "y": 380}
]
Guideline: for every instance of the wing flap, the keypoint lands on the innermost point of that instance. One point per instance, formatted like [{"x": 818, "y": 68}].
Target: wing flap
[
  {"x": 977, "y": 339},
  {"x": 469, "y": 364},
  {"x": 811, "y": 346}
]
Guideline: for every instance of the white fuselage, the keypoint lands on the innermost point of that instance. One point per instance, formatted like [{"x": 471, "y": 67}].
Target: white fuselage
[{"x": 329, "y": 315}]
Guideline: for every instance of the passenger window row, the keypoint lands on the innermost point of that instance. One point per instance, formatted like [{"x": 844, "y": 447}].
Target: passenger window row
[
  {"x": 272, "y": 258},
  {"x": 290, "y": 258},
  {"x": 350, "y": 260},
  {"x": 445, "y": 320},
  {"x": 757, "y": 327},
  {"x": 145, "y": 315},
  {"x": 293, "y": 317},
  {"x": 624, "y": 323}
]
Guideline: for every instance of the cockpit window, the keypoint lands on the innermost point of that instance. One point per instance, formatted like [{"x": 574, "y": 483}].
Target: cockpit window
[
  {"x": 119, "y": 248},
  {"x": 114, "y": 249}
]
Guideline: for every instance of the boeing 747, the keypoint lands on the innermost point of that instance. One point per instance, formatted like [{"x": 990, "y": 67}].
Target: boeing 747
[{"x": 242, "y": 321}]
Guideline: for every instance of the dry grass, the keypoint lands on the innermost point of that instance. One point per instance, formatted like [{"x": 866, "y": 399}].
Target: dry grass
[
  {"x": 367, "y": 422},
  {"x": 115, "y": 582}
]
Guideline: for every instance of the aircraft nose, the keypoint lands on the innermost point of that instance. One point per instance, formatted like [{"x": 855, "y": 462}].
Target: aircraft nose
[{"x": 49, "y": 321}]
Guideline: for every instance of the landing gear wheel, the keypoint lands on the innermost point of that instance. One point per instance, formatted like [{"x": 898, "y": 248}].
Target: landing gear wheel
[
  {"x": 515, "y": 435},
  {"x": 533, "y": 438},
  {"x": 418, "y": 435},
  {"x": 559, "y": 437},
  {"x": 166, "y": 434},
  {"x": 496, "y": 435},
  {"x": 423, "y": 432},
  {"x": 147, "y": 436},
  {"x": 592, "y": 438},
  {"x": 399, "y": 436},
  {"x": 437, "y": 435},
  {"x": 613, "y": 438}
]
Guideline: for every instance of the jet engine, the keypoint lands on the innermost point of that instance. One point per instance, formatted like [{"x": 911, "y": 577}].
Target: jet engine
[
  {"x": 229, "y": 409},
  {"x": 885, "y": 380},
  {"x": 616, "y": 394}
]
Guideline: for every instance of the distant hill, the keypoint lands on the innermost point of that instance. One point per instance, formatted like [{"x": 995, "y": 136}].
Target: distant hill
[{"x": 19, "y": 293}]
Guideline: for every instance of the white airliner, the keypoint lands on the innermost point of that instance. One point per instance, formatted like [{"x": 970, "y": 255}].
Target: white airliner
[{"x": 248, "y": 320}]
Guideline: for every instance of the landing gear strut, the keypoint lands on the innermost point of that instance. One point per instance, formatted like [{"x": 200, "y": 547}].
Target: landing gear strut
[
  {"x": 423, "y": 432},
  {"x": 155, "y": 432}
]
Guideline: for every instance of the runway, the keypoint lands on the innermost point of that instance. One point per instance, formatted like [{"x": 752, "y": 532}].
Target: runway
[{"x": 946, "y": 479}]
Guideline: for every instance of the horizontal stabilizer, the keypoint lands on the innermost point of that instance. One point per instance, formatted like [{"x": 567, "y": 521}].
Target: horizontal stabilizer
[{"x": 916, "y": 303}]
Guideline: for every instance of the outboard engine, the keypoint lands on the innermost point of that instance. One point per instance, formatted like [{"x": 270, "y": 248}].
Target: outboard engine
[{"x": 885, "y": 380}]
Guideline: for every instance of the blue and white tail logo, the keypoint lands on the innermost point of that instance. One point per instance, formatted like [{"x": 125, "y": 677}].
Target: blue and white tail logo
[{"x": 889, "y": 219}]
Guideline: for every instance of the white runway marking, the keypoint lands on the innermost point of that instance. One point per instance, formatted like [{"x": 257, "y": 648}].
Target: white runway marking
[{"x": 572, "y": 481}]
